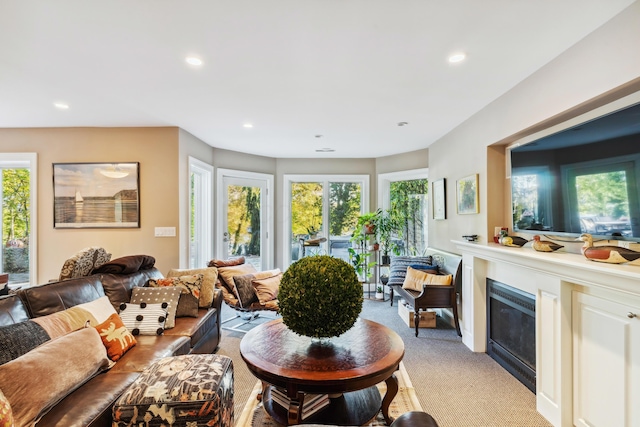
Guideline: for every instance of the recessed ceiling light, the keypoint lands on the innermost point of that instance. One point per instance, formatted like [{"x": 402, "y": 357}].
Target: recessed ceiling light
[
  {"x": 247, "y": 125},
  {"x": 457, "y": 57},
  {"x": 403, "y": 123},
  {"x": 61, "y": 105},
  {"x": 318, "y": 136},
  {"x": 192, "y": 60},
  {"x": 325, "y": 150}
]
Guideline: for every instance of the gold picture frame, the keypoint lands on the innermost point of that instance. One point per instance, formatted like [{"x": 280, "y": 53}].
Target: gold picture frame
[
  {"x": 467, "y": 195},
  {"x": 439, "y": 199}
]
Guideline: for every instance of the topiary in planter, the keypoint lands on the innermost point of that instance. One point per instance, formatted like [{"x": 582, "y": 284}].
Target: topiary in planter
[{"x": 320, "y": 297}]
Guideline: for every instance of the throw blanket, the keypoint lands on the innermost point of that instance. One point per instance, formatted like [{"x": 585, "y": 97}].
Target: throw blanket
[{"x": 127, "y": 264}]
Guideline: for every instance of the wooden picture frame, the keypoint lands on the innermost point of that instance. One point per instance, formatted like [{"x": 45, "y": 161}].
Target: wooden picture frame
[
  {"x": 96, "y": 195},
  {"x": 467, "y": 195},
  {"x": 439, "y": 199}
]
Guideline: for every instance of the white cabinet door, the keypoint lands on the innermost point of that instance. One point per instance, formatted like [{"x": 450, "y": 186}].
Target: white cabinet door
[{"x": 606, "y": 363}]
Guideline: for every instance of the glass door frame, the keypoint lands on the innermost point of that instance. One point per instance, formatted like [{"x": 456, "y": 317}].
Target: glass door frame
[
  {"x": 385, "y": 180},
  {"x": 201, "y": 200},
  {"x": 27, "y": 161},
  {"x": 267, "y": 221},
  {"x": 325, "y": 180}
]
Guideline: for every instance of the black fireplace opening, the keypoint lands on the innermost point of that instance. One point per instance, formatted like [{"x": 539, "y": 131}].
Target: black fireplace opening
[{"x": 511, "y": 331}]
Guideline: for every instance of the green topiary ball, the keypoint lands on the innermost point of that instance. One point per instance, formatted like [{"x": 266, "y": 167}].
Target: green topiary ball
[{"x": 320, "y": 296}]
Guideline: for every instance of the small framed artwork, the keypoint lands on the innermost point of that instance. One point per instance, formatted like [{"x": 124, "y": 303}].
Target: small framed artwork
[
  {"x": 96, "y": 195},
  {"x": 467, "y": 195},
  {"x": 439, "y": 199}
]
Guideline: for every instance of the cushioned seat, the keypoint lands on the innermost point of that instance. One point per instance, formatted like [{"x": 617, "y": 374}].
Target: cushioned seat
[
  {"x": 246, "y": 290},
  {"x": 183, "y": 391}
]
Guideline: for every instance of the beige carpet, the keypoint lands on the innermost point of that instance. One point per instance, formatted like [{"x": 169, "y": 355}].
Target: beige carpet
[
  {"x": 254, "y": 415},
  {"x": 457, "y": 387}
]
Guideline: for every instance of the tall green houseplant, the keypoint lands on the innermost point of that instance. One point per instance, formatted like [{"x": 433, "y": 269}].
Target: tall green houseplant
[{"x": 387, "y": 226}]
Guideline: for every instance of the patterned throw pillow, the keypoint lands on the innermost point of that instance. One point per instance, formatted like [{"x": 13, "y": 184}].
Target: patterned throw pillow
[
  {"x": 399, "y": 264},
  {"x": 116, "y": 337},
  {"x": 189, "y": 287},
  {"x": 6, "y": 416},
  {"x": 168, "y": 295},
  {"x": 144, "y": 319},
  {"x": 84, "y": 262},
  {"x": 209, "y": 278}
]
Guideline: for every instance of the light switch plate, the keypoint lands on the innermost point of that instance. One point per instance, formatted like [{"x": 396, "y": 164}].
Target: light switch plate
[{"x": 165, "y": 232}]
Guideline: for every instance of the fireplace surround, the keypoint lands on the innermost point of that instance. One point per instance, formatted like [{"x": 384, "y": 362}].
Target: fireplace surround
[
  {"x": 587, "y": 326},
  {"x": 511, "y": 331}
]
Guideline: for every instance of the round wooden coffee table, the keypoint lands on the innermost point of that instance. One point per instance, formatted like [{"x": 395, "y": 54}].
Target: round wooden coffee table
[{"x": 347, "y": 368}]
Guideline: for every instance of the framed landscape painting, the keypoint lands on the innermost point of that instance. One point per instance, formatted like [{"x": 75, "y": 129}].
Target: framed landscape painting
[
  {"x": 96, "y": 195},
  {"x": 467, "y": 195}
]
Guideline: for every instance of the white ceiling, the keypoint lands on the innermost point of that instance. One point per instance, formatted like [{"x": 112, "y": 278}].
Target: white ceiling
[{"x": 349, "y": 70}]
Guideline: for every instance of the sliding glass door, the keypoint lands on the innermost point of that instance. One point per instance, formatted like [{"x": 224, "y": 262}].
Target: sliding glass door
[{"x": 322, "y": 212}]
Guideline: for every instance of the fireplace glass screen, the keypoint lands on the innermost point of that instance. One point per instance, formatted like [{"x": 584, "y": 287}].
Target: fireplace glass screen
[{"x": 511, "y": 330}]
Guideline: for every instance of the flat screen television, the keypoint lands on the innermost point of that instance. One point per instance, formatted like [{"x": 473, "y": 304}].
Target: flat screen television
[{"x": 584, "y": 179}]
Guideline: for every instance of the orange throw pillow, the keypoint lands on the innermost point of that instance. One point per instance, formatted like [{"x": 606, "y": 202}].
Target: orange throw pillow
[{"x": 115, "y": 337}]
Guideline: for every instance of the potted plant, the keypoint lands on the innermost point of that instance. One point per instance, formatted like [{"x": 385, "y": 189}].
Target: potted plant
[
  {"x": 384, "y": 278},
  {"x": 361, "y": 264},
  {"x": 386, "y": 226},
  {"x": 367, "y": 222},
  {"x": 379, "y": 292},
  {"x": 320, "y": 297}
]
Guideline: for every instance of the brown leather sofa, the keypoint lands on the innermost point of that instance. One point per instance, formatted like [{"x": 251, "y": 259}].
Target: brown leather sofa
[{"x": 91, "y": 403}]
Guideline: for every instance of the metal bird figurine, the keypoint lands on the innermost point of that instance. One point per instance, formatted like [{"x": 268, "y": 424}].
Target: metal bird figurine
[
  {"x": 607, "y": 253},
  {"x": 513, "y": 241},
  {"x": 544, "y": 245}
]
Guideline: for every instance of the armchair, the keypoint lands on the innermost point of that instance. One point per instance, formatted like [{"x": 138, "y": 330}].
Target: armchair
[{"x": 246, "y": 290}]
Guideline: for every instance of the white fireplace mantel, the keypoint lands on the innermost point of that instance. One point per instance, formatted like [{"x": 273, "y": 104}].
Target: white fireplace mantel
[{"x": 561, "y": 281}]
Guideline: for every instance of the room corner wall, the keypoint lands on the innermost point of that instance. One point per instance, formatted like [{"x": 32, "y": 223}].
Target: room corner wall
[
  {"x": 156, "y": 149},
  {"x": 189, "y": 146}
]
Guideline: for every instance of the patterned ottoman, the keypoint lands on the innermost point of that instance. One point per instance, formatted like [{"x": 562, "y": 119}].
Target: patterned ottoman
[{"x": 193, "y": 390}]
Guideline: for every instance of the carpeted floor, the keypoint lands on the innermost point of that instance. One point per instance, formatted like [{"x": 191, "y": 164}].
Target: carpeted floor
[{"x": 457, "y": 387}]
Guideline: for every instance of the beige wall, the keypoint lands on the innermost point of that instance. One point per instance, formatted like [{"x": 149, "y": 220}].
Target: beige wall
[
  {"x": 418, "y": 159},
  {"x": 603, "y": 61},
  {"x": 155, "y": 148}
]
